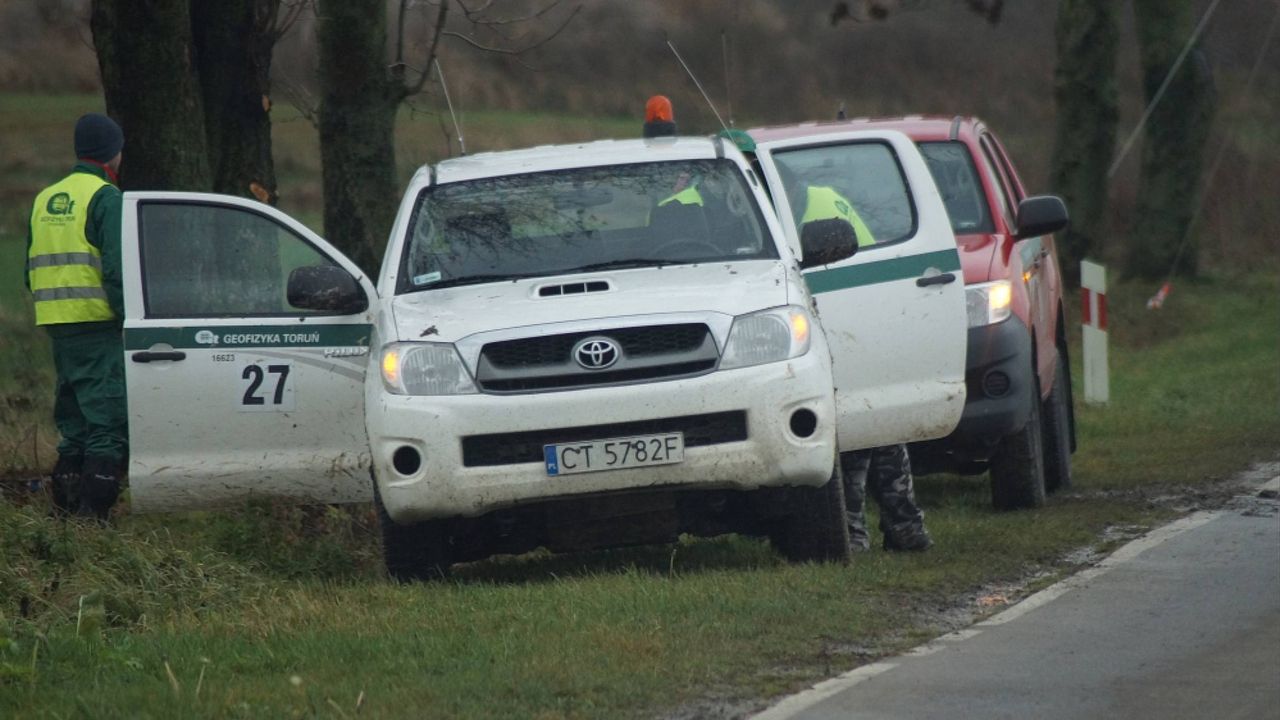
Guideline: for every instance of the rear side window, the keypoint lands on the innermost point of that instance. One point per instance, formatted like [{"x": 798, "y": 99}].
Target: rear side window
[
  {"x": 957, "y": 179},
  {"x": 865, "y": 174}
]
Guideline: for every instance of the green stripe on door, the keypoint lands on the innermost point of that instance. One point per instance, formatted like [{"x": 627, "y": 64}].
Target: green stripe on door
[
  {"x": 911, "y": 266},
  {"x": 240, "y": 336}
]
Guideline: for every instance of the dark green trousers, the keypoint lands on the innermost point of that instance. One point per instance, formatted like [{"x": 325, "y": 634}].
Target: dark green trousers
[{"x": 89, "y": 407}]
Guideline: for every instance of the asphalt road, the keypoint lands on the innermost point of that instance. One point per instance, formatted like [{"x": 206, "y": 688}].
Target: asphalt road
[{"x": 1183, "y": 623}]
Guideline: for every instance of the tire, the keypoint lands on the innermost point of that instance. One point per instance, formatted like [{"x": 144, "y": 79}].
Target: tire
[
  {"x": 412, "y": 553},
  {"x": 1057, "y": 430},
  {"x": 1017, "y": 467},
  {"x": 816, "y": 529}
]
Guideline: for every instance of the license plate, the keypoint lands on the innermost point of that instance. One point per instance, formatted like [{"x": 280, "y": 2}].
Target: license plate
[{"x": 595, "y": 455}]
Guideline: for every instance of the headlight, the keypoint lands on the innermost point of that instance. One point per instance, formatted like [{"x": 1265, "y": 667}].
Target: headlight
[
  {"x": 424, "y": 369},
  {"x": 988, "y": 303},
  {"x": 767, "y": 336}
]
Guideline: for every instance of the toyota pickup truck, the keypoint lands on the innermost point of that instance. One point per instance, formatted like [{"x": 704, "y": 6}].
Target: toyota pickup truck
[{"x": 570, "y": 346}]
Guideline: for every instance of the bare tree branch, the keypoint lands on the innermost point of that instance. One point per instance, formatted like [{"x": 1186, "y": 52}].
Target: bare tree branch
[
  {"x": 295, "y": 10},
  {"x": 404, "y": 5},
  {"x": 302, "y": 100},
  {"x": 432, "y": 50},
  {"x": 517, "y": 51}
]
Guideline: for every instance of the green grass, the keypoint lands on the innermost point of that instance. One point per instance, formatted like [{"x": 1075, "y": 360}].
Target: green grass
[{"x": 270, "y": 611}]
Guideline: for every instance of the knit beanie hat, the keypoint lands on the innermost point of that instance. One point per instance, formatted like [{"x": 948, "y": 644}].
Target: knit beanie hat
[{"x": 98, "y": 137}]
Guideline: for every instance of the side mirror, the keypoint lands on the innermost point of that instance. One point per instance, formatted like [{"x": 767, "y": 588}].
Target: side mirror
[
  {"x": 1041, "y": 215},
  {"x": 826, "y": 241},
  {"x": 327, "y": 288}
]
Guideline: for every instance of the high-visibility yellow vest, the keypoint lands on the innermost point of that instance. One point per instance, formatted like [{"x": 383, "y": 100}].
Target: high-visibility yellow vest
[
  {"x": 687, "y": 196},
  {"x": 825, "y": 203},
  {"x": 63, "y": 267}
]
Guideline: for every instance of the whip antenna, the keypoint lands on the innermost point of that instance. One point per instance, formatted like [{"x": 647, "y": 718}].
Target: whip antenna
[
  {"x": 462, "y": 144},
  {"x": 698, "y": 84},
  {"x": 728, "y": 91}
]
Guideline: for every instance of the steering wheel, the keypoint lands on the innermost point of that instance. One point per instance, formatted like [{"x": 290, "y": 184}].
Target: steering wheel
[{"x": 686, "y": 248}]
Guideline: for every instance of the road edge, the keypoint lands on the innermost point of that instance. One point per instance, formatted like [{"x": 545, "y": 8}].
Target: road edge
[{"x": 791, "y": 705}]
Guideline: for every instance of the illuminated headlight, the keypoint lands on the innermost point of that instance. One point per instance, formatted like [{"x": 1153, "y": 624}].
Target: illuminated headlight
[
  {"x": 767, "y": 336},
  {"x": 424, "y": 369},
  {"x": 988, "y": 303}
]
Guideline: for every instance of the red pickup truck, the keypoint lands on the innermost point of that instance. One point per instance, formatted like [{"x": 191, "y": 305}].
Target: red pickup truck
[{"x": 1019, "y": 419}]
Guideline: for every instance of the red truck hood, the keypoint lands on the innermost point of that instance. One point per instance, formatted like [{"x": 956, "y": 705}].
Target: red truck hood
[{"x": 978, "y": 256}]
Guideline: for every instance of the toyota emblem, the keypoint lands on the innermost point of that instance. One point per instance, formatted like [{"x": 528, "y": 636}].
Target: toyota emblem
[{"x": 596, "y": 353}]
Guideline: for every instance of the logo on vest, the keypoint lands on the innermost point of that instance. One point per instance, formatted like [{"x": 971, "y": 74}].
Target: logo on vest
[{"x": 60, "y": 204}]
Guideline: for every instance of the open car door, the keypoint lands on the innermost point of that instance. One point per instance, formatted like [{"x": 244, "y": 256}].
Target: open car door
[
  {"x": 246, "y": 344},
  {"x": 894, "y": 313}
]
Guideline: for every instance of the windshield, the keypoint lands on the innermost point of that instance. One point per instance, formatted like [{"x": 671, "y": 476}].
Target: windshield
[
  {"x": 861, "y": 182},
  {"x": 957, "y": 180},
  {"x": 580, "y": 220}
]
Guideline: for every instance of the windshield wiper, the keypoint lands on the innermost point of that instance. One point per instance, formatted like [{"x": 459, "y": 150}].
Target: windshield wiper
[
  {"x": 475, "y": 280},
  {"x": 625, "y": 263}
]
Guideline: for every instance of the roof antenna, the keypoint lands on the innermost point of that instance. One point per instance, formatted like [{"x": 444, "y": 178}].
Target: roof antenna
[
  {"x": 728, "y": 91},
  {"x": 462, "y": 144},
  {"x": 699, "y": 85}
]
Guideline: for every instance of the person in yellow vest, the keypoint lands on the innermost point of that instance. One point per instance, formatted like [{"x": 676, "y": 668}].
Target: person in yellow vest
[
  {"x": 825, "y": 203},
  {"x": 884, "y": 472},
  {"x": 73, "y": 273}
]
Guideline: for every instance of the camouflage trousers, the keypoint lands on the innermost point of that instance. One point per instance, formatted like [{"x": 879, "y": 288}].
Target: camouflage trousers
[{"x": 885, "y": 473}]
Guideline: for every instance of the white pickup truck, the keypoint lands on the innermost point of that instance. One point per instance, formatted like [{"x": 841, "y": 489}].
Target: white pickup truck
[{"x": 571, "y": 347}]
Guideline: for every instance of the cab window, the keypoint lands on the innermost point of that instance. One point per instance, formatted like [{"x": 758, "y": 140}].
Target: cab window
[
  {"x": 957, "y": 179},
  {"x": 865, "y": 174},
  {"x": 206, "y": 260}
]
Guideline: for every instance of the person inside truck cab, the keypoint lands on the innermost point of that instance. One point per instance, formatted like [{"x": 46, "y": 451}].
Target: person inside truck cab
[{"x": 811, "y": 200}]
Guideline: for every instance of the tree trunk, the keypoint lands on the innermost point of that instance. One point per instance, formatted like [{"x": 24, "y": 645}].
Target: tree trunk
[
  {"x": 234, "y": 40},
  {"x": 1084, "y": 91},
  {"x": 145, "y": 56},
  {"x": 1173, "y": 142},
  {"x": 359, "y": 100}
]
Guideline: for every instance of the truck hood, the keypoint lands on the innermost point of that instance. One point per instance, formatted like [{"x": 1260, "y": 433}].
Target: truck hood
[
  {"x": 977, "y": 256},
  {"x": 451, "y": 314}
]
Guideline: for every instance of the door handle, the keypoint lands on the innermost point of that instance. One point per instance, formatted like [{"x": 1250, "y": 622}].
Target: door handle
[
  {"x": 939, "y": 279},
  {"x": 147, "y": 356}
]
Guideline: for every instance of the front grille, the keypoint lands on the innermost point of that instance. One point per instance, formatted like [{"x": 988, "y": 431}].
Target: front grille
[
  {"x": 541, "y": 364},
  {"x": 606, "y": 377},
  {"x": 526, "y": 447},
  {"x": 555, "y": 349}
]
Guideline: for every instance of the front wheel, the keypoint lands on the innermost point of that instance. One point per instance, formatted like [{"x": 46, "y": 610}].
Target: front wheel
[
  {"x": 815, "y": 529},
  {"x": 1057, "y": 430},
  {"x": 415, "y": 552},
  {"x": 1017, "y": 467}
]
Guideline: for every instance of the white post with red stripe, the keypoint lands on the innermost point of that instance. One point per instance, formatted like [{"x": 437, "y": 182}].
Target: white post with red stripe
[{"x": 1093, "y": 320}]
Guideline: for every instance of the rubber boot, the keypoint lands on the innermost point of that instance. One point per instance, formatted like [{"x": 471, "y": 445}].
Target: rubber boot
[
  {"x": 908, "y": 536},
  {"x": 64, "y": 484},
  {"x": 99, "y": 488}
]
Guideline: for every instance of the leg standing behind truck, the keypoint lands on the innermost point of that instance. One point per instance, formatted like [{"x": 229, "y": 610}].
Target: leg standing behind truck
[{"x": 886, "y": 473}]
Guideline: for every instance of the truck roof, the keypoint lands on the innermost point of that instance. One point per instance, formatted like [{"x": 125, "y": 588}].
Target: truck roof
[
  {"x": 589, "y": 154},
  {"x": 919, "y": 128}
]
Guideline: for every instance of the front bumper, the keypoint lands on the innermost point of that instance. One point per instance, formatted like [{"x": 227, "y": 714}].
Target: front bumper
[
  {"x": 998, "y": 355},
  {"x": 446, "y": 485}
]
